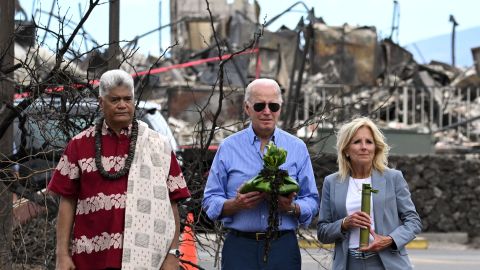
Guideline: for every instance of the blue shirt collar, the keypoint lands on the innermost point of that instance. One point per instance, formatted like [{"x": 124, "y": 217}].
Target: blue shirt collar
[{"x": 252, "y": 137}]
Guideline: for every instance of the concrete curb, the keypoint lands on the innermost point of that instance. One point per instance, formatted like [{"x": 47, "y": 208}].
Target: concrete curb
[
  {"x": 460, "y": 238},
  {"x": 422, "y": 241},
  {"x": 417, "y": 243}
]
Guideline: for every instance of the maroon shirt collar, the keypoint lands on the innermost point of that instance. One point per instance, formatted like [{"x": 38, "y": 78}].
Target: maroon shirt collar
[{"x": 127, "y": 131}]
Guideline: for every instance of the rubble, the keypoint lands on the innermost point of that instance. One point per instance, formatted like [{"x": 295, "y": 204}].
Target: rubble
[
  {"x": 476, "y": 58},
  {"x": 327, "y": 73}
]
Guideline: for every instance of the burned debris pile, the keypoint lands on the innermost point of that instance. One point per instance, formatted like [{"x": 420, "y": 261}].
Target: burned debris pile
[{"x": 328, "y": 74}]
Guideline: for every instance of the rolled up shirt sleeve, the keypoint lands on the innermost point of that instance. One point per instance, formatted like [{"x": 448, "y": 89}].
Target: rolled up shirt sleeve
[
  {"x": 215, "y": 189},
  {"x": 307, "y": 198}
]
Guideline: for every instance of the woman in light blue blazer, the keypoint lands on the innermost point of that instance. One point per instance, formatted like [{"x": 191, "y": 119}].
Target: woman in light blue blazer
[{"x": 393, "y": 220}]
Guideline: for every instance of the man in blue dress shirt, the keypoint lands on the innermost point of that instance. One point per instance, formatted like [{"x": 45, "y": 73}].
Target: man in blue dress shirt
[{"x": 238, "y": 159}]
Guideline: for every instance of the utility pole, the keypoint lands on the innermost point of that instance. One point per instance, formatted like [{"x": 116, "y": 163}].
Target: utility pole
[
  {"x": 395, "y": 20},
  {"x": 455, "y": 24},
  {"x": 159, "y": 26},
  {"x": 7, "y": 13},
  {"x": 174, "y": 27},
  {"x": 114, "y": 35}
]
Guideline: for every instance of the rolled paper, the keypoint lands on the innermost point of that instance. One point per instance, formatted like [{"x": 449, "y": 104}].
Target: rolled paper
[{"x": 366, "y": 198}]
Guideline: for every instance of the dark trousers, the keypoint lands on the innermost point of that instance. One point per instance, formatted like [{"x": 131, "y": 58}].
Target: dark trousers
[{"x": 243, "y": 253}]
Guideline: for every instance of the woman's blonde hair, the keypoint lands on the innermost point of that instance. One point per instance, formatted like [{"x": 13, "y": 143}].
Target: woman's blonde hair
[{"x": 344, "y": 136}]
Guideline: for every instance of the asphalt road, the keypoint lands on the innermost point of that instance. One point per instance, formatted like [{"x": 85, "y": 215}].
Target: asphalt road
[
  {"x": 439, "y": 256},
  {"x": 446, "y": 257}
]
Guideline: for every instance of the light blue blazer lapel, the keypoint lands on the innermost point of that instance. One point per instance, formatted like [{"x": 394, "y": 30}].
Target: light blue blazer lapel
[
  {"x": 378, "y": 183},
  {"x": 341, "y": 188}
]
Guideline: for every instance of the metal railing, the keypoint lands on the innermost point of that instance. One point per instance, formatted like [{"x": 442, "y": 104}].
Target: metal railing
[{"x": 427, "y": 110}]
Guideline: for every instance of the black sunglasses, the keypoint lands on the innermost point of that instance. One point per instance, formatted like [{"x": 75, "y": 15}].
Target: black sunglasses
[{"x": 273, "y": 107}]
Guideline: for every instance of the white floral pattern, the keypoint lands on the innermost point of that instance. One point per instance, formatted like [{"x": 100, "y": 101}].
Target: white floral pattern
[
  {"x": 68, "y": 169},
  {"x": 97, "y": 243},
  {"x": 89, "y": 132},
  {"x": 176, "y": 182},
  {"x": 115, "y": 162},
  {"x": 87, "y": 165},
  {"x": 101, "y": 202}
]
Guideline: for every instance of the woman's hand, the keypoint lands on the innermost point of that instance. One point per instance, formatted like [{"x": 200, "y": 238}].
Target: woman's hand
[
  {"x": 358, "y": 219},
  {"x": 380, "y": 242}
]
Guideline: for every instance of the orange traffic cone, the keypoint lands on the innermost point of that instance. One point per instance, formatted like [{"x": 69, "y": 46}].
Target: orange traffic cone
[{"x": 187, "y": 245}]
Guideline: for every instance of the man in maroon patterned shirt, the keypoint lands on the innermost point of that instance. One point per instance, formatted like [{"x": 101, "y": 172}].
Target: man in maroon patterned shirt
[{"x": 119, "y": 183}]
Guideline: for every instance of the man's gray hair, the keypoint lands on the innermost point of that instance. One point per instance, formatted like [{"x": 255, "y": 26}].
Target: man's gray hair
[
  {"x": 115, "y": 78},
  {"x": 264, "y": 81}
]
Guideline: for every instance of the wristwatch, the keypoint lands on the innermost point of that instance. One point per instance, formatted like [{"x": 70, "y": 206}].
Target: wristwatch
[
  {"x": 175, "y": 252},
  {"x": 293, "y": 209}
]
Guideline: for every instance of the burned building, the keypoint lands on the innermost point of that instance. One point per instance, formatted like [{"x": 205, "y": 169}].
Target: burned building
[{"x": 327, "y": 74}]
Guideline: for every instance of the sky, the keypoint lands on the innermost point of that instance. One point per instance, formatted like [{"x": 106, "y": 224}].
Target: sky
[{"x": 418, "y": 19}]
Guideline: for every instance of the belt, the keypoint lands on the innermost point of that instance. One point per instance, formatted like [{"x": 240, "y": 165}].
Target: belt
[
  {"x": 259, "y": 236},
  {"x": 355, "y": 253}
]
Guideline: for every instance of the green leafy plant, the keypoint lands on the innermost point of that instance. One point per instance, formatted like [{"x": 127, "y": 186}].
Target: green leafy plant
[
  {"x": 273, "y": 158},
  {"x": 273, "y": 181}
]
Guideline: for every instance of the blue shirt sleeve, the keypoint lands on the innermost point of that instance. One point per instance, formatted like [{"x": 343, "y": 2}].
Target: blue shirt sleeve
[
  {"x": 215, "y": 189},
  {"x": 307, "y": 197}
]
